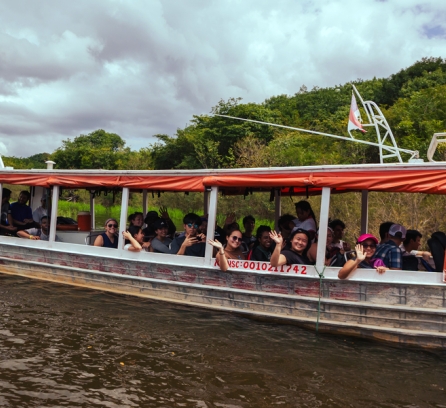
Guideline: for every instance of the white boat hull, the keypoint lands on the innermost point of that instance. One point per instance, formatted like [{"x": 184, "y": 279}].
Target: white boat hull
[{"x": 405, "y": 313}]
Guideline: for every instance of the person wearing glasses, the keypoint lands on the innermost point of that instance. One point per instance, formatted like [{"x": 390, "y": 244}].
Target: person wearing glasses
[
  {"x": 232, "y": 249},
  {"x": 363, "y": 257},
  {"x": 191, "y": 243},
  {"x": 109, "y": 238},
  {"x": 300, "y": 243}
]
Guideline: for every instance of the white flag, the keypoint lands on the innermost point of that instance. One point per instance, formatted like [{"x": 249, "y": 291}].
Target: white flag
[{"x": 354, "y": 119}]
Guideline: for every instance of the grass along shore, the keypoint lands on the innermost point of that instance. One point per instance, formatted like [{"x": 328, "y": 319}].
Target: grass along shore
[{"x": 69, "y": 209}]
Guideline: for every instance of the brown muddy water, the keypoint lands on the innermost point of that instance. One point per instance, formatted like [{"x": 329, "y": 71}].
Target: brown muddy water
[{"x": 68, "y": 347}]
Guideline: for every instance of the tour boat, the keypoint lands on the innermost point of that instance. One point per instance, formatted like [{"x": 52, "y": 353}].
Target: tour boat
[{"x": 404, "y": 307}]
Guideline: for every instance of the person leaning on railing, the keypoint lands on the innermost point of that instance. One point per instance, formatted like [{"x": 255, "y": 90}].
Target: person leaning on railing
[
  {"x": 363, "y": 257},
  {"x": 232, "y": 249},
  {"x": 134, "y": 239},
  {"x": 190, "y": 243},
  {"x": 38, "y": 234},
  {"x": 300, "y": 243}
]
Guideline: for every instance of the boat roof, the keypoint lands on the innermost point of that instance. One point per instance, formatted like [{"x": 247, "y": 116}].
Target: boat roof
[{"x": 396, "y": 177}]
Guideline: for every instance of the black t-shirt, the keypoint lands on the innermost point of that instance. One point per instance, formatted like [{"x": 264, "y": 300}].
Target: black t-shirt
[
  {"x": 260, "y": 254},
  {"x": 294, "y": 258},
  {"x": 197, "y": 249}
]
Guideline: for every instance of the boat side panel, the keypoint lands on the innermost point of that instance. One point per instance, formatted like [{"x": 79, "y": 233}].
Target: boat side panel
[
  {"x": 432, "y": 296},
  {"x": 400, "y": 324}
]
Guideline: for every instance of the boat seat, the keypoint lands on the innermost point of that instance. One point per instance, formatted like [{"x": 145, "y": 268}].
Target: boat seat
[{"x": 89, "y": 239}]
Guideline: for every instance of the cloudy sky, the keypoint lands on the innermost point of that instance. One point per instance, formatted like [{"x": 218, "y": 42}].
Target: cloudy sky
[{"x": 143, "y": 67}]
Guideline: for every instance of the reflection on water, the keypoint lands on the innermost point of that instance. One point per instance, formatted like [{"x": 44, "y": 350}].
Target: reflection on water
[{"x": 64, "y": 346}]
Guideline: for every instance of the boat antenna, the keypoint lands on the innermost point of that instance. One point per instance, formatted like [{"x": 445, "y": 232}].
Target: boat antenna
[{"x": 375, "y": 118}]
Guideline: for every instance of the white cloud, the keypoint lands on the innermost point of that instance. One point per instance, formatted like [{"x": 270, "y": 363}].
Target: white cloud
[{"x": 141, "y": 68}]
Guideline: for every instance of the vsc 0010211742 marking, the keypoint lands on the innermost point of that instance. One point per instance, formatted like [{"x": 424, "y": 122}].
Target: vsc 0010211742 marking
[{"x": 265, "y": 267}]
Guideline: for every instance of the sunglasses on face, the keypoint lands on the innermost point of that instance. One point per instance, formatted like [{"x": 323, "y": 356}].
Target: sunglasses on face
[
  {"x": 192, "y": 226},
  {"x": 365, "y": 246},
  {"x": 112, "y": 225},
  {"x": 235, "y": 239}
]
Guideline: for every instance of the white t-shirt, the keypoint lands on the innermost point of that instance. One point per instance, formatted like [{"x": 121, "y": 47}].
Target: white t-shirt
[
  {"x": 308, "y": 225},
  {"x": 37, "y": 232},
  {"x": 39, "y": 213}
]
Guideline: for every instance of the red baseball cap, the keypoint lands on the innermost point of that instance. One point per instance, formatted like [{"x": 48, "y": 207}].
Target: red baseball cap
[{"x": 363, "y": 237}]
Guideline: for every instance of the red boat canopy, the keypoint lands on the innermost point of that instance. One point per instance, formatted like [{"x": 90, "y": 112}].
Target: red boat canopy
[
  {"x": 411, "y": 181},
  {"x": 420, "y": 178}
]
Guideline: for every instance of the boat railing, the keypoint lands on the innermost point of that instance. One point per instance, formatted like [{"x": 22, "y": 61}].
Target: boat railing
[{"x": 437, "y": 138}]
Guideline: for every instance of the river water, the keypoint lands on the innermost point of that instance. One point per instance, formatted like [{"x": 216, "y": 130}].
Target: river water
[{"x": 68, "y": 347}]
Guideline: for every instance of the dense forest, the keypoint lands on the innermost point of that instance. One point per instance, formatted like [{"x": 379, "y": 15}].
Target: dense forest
[{"x": 413, "y": 101}]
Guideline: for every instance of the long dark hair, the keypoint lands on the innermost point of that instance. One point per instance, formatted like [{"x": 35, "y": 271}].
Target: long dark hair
[
  {"x": 230, "y": 232},
  {"x": 306, "y": 206},
  {"x": 133, "y": 229},
  {"x": 132, "y": 217}
]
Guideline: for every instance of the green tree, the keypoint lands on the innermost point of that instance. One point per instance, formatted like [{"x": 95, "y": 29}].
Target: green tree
[
  {"x": 37, "y": 161},
  {"x": 416, "y": 118},
  {"x": 97, "y": 150}
]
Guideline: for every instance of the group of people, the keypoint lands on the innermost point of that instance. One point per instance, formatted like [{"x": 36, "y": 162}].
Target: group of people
[
  {"x": 397, "y": 250},
  {"x": 18, "y": 217},
  {"x": 155, "y": 237},
  {"x": 229, "y": 242},
  {"x": 295, "y": 243},
  {"x": 159, "y": 236}
]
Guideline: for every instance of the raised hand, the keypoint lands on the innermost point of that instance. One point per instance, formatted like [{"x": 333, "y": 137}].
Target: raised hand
[
  {"x": 215, "y": 244},
  {"x": 126, "y": 235},
  {"x": 163, "y": 212},
  {"x": 276, "y": 237},
  {"x": 360, "y": 255},
  {"x": 190, "y": 240}
]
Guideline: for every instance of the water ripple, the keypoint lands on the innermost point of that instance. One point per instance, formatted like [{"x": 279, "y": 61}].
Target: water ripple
[{"x": 63, "y": 346}]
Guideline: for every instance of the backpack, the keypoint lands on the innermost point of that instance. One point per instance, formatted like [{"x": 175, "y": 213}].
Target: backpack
[{"x": 437, "y": 245}]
